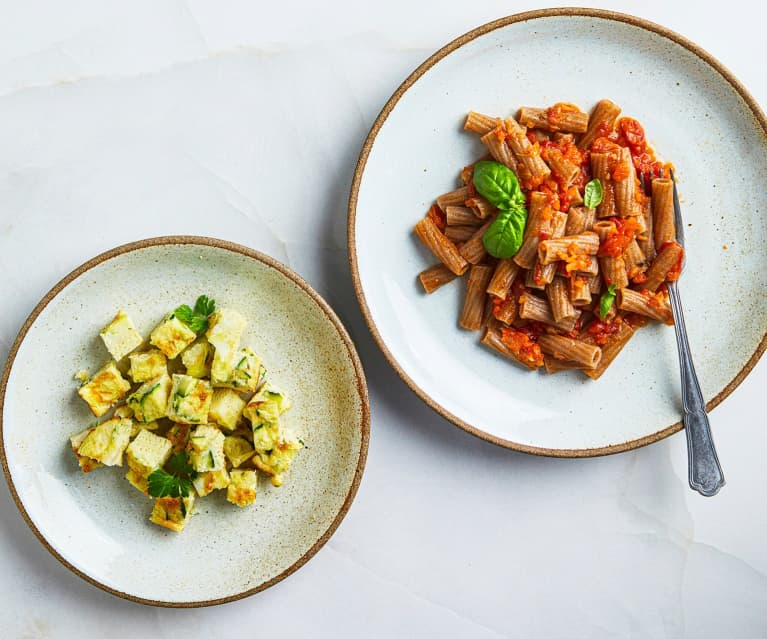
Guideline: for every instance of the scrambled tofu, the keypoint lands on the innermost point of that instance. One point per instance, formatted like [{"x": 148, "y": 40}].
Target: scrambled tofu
[
  {"x": 276, "y": 461},
  {"x": 147, "y": 366},
  {"x": 147, "y": 453},
  {"x": 86, "y": 463},
  {"x": 120, "y": 336},
  {"x": 242, "y": 488},
  {"x": 107, "y": 441},
  {"x": 104, "y": 389},
  {"x": 238, "y": 450},
  {"x": 226, "y": 408},
  {"x": 206, "y": 482},
  {"x": 190, "y": 400},
  {"x": 172, "y": 512},
  {"x": 206, "y": 449},
  {"x": 196, "y": 359},
  {"x": 246, "y": 373},
  {"x": 266, "y": 405},
  {"x": 150, "y": 402},
  {"x": 172, "y": 336},
  {"x": 224, "y": 332}
]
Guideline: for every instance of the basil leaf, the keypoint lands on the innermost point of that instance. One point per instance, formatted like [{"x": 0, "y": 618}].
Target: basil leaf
[
  {"x": 592, "y": 195},
  {"x": 606, "y": 301},
  {"x": 497, "y": 184},
  {"x": 504, "y": 236}
]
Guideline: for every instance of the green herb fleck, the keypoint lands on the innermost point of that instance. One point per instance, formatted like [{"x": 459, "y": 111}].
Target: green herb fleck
[
  {"x": 592, "y": 194},
  {"x": 196, "y": 318},
  {"x": 174, "y": 480},
  {"x": 606, "y": 301}
]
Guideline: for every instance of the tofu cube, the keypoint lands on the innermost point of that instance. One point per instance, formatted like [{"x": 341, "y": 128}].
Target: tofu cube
[
  {"x": 266, "y": 405},
  {"x": 104, "y": 389},
  {"x": 178, "y": 436},
  {"x": 138, "y": 481},
  {"x": 196, "y": 359},
  {"x": 150, "y": 401},
  {"x": 120, "y": 336},
  {"x": 189, "y": 400},
  {"x": 238, "y": 450},
  {"x": 225, "y": 327},
  {"x": 172, "y": 512},
  {"x": 246, "y": 373},
  {"x": 86, "y": 463},
  {"x": 226, "y": 408},
  {"x": 139, "y": 426},
  {"x": 107, "y": 441},
  {"x": 147, "y": 366},
  {"x": 172, "y": 336},
  {"x": 147, "y": 453},
  {"x": 242, "y": 488},
  {"x": 276, "y": 462},
  {"x": 206, "y": 449},
  {"x": 205, "y": 483}
]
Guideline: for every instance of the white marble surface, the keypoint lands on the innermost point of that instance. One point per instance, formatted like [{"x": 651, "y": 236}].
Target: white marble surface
[{"x": 243, "y": 120}]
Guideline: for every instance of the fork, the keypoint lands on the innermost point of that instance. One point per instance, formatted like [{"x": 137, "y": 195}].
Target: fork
[{"x": 705, "y": 473}]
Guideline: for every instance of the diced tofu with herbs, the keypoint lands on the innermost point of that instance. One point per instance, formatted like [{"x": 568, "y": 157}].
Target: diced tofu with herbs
[
  {"x": 86, "y": 463},
  {"x": 225, "y": 328},
  {"x": 238, "y": 450},
  {"x": 277, "y": 461},
  {"x": 120, "y": 336},
  {"x": 205, "y": 483},
  {"x": 206, "y": 449},
  {"x": 226, "y": 408},
  {"x": 147, "y": 453},
  {"x": 196, "y": 359},
  {"x": 242, "y": 488},
  {"x": 246, "y": 373},
  {"x": 172, "y": 512},
  {"x": 266, "y": 405},
  {"x": 172, "y": 336},
  {"x": 139, "y": 426},
  {"x": 104, "y": 389},
  {"x": 178, "y": 436},
  {"x": 107, "y": 441},
  {"x": 150, "y": 402},
  {"x": 189, "y": 400},
  {"x": 147, "y": 366}
]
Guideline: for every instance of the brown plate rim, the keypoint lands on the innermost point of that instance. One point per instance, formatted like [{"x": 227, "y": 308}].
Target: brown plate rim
[
  {"x": 361, "y": 384},
  {"x": 360, "y": 168}
]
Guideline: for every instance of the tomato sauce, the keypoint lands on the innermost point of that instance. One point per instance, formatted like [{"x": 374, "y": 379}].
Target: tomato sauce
[
  {"x": 438, "y": 217},
  {"x": 524, "y": 348},
  {"x": 600, "y": 330},
  {"x": 617, "y": 241},
  {"x": 676, "y": 270},
  {"x": 555, "y": 114}
]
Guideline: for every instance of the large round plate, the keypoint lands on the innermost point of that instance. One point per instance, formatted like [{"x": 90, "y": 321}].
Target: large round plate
[
  {"x": 96, "y": 524},
  {"x": 696, "y": 114}
]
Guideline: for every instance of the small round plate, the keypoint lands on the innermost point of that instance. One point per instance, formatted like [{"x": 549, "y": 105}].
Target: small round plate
[
  {"x": 97, "y": 524},
  {"x": 697, "y": 115}
]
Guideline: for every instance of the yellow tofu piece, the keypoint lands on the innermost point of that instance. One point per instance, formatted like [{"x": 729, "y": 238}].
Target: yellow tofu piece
[
  {"x": 107, "y": 441},
  {"x": 147, "y": 453},
  {"x": 178, "y": 436},
  {"x": 242, "y": 488},
  {"x": 189, "y": 400},
  {"x": 266, "y": 405},
  {"x": 196, "y": 359},
  {"x": 206, "y": 449},
  {"x": 172, "y": 336},
  {"x": 172, "y": 512},
  {"x": 246, "y": 373},
  {"x": 238, "y": 450},
  {"x": 276, "y": 462},
  {"x": 226, "y": 408},
  {"x": 205, "y": 483},
  {"x": 150, "y": 401},
  {"x": 104, "y": 389},
  {"x": 120, "y": 336},
  {"x": 225, "y": 327},
  {"x": 138, "y": 481},
  {"x": 139, "y": 426},
  {"x": 86, "y": 463},
  {"x": 147, "y": 366}
]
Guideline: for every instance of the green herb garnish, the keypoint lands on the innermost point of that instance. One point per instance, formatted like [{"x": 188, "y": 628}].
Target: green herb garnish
[
  {"x": 499, "y": 186},
  {"x": 606, "y": 301},
  {"x": 175, "y": 480},
  {"x": 196, "y": 318},
  {"x": 592, "y": 194}
]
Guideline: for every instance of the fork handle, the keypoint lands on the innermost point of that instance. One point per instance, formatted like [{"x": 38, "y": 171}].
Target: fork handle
[{"x": 705, "y": 473}]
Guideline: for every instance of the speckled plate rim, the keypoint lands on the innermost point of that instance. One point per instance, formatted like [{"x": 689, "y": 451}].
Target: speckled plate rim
[
  {"x": 361, "y": 386},
  {"x": 360, "y": 170}
]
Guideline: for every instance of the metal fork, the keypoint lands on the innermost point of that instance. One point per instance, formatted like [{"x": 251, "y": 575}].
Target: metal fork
[{"x": 705, "y": 473}]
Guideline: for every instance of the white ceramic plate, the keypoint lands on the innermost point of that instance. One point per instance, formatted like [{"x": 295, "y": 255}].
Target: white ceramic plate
[
  {"x": 696, "y": 115},
  {"x": 96, "y": 524}
]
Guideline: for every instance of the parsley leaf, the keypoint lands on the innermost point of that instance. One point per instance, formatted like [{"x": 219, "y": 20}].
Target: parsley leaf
[
  {"x": 175, "y": 481},
  {"x": 197, "y": 318}
]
